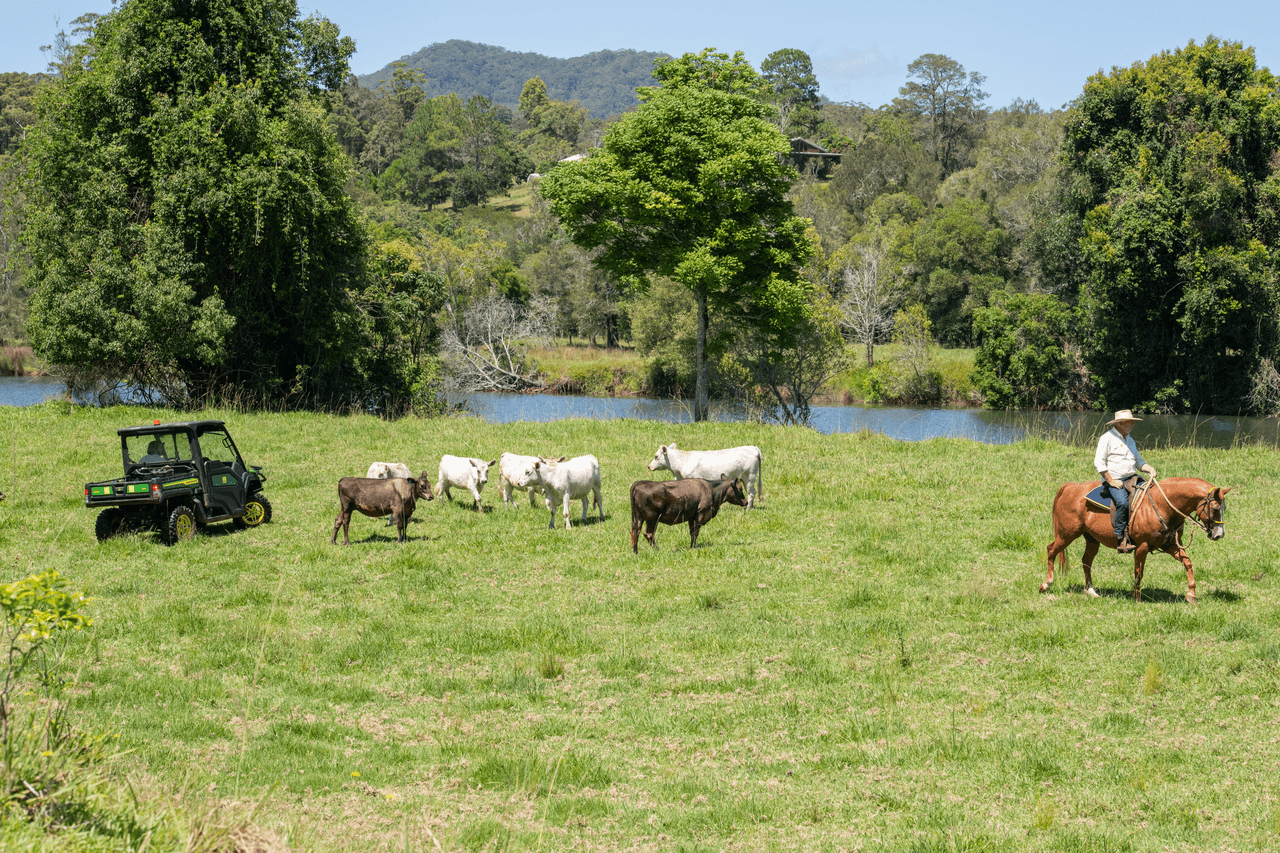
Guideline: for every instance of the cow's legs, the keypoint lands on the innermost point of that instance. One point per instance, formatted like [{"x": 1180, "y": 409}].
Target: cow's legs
[
  {"x": 344, "y": 521},
  {"x": 651, "y": 531},
  {"x": 402, "y": 524},
  {"x": 636, "y": 523},
  {"x": 693, "y": 532},
  {"x": 1086, "y": 563}
]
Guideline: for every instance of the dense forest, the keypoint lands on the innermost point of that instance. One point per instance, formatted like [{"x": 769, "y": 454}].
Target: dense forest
[
  {"x": 604, "y": 82},
  {"x": 1118, "y": 253}
]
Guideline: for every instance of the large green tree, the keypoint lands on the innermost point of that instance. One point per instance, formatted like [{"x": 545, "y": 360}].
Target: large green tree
[
  {"x": 463, "y": 150},
  {"x": 691, "y": 187},
  {"x": 789, "y": 73},
  {"x": 947, "y": 102},
  {"x": 1173, "y": 180},
  {"x": 186, "y": 220}
]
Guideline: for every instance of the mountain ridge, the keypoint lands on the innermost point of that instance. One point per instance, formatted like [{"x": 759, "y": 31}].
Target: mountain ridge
[{"x": 604, "y": 81}]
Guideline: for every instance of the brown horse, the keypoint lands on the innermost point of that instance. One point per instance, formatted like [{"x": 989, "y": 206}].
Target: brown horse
[{"x": 1155, "y": 524}]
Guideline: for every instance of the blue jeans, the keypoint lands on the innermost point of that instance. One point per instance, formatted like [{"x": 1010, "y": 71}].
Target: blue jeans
[{"x": 1119, "y": 497}]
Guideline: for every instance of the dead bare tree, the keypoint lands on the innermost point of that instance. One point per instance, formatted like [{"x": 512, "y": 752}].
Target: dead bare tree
[
  {"x": 867, "y": 300},
  {"x": 490, "y": 352}
]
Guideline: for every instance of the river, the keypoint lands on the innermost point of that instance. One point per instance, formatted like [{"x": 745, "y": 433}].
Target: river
[{"x": 901, "y": 422}]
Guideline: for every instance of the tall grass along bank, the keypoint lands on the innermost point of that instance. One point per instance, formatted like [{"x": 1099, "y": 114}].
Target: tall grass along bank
[{"x": 863, "y": 662}]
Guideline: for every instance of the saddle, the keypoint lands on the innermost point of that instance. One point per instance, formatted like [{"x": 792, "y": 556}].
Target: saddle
[{"x": 1099, "y": 498}]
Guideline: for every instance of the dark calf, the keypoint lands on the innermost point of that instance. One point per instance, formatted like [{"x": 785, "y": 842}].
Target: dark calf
[
  {"x": 374, "y": 497},
  {"x": 676, "y": 501}
]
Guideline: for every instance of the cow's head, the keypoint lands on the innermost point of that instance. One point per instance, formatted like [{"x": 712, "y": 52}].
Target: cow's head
[
  {"x": 531, "y": 473},
  {"x": 660, "y": 461},
  {"x": 734, "y": 491},
  {"x": 482, "y": 469},
  {"x": 422, "y": 487}
]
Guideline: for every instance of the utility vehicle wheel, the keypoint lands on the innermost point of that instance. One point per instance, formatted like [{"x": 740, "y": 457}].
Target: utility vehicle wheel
[
  {"x": 182, "y": 525},
  {"x": 111, "y": 522},
  {"x": 257, "y": 510}
]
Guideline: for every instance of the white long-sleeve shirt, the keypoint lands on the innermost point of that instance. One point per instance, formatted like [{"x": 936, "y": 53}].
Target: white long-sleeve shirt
[{"x": 1117, "y": 455}]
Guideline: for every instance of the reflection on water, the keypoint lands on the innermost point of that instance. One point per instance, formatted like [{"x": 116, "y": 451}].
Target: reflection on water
[
  {"x": 901, "y": 422},
  {"x": 29, "y": 390}
]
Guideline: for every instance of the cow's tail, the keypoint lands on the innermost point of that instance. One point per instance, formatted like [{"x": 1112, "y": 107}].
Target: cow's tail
[{"x": 759, "y": 473}]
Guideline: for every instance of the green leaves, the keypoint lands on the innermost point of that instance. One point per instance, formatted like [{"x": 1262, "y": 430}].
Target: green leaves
[
  {"x": 188, "y": 223},
  {"x": 691, "y": 187},
  {"x": 1176, "y": 157}
]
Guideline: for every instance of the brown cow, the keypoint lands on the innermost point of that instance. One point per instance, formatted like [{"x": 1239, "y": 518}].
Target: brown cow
[
  {"x": 375, "y": 498},
  {"x": 694, "y": 500}
]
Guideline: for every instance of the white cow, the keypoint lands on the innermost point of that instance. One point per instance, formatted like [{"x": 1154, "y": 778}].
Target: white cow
[
  {"x": 734, "y": 462},
  {"x": 387, "y": 470},
  {"x": 563, "y": 482},
  {"x": 510, "y": 466},
  {"x": 463, "y": 472}
]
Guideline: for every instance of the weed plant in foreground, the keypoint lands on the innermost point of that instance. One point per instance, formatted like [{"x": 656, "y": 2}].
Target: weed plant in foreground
[{"x": 863, "y": 662}]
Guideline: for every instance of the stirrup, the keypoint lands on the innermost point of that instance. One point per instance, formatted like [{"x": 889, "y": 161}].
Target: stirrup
[{"x": 1125, "y": 546}]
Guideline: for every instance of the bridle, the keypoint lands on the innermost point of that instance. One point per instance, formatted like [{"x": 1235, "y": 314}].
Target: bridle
[{"x": 1204, "y": 515}]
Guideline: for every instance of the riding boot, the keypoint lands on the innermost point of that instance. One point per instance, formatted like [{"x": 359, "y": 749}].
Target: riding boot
[{"x": 1125, "y": 546}]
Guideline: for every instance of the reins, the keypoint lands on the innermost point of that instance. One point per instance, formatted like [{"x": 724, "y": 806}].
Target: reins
[{"x": 1145, "y": 488}]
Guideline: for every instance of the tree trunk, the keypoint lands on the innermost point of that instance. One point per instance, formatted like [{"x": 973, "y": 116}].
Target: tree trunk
[
  {"x": 871, "y": 354},
  {"x": 703, "y": 390}
]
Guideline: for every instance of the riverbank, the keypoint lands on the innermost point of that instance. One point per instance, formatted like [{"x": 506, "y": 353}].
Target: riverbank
[
  {"x": 864, "y": 662},
  {"x": 621, "y": 372}
]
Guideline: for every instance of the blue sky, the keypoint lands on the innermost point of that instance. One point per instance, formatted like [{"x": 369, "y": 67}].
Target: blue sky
[{"x": 860, "y": 50}]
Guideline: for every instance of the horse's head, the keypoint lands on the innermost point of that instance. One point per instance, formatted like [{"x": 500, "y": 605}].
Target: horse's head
[{"x": 1212, "y": 510}]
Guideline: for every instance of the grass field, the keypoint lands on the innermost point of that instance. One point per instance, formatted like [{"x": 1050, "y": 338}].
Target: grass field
[{"x": 862, "y": 663}]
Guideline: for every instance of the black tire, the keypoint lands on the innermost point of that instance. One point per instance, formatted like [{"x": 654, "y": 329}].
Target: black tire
[
  {"x": 257, "y": 511},
  {"x": 111, "y": 522},
  {"x": 181, "y": 525}
]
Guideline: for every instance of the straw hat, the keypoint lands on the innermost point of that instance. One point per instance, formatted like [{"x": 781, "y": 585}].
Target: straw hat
[{"x": 1123, "y": 415}]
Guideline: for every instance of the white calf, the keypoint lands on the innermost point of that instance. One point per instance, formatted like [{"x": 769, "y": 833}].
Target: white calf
[
  {"x": 564, "y": 482},
  {"x": 387, "y": 470},
  {"x": 462, "y": 472},
  {"x": 510, "y": 466},
  {"x": 741, "y": 462}
]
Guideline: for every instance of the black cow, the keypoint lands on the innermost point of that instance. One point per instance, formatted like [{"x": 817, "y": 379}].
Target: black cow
[
  {"x": 676, "y": 501},
  {"x": 375, "y": 498}
]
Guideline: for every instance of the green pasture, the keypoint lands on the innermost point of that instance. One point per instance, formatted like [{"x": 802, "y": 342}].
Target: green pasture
[{"x": 862, "y": 663}]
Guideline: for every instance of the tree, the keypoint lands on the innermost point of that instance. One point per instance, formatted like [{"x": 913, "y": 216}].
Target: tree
[
  {"x": 489, "y": 352},
  {"x": 463, "y": 151},
  {"x": 789, "y": 73},
  {"x": 1173, "y": 185},
  {"x": 691, "y": 187},
  {"x": 186, "y": 220},
  {"x": 780, "y": 380},
  {"x": 960, "y": 255},
  {"x": 868, "y": 295},
  {"x": 1023, "y": 359},
  {"x": 947, "y": 102}
]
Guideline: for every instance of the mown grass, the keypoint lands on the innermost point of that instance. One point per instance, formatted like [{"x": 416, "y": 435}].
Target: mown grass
[{"x": 864, "y": 662}]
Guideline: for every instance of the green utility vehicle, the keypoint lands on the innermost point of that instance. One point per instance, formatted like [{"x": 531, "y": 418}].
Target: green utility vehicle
[{"x": 179, "y": 477}]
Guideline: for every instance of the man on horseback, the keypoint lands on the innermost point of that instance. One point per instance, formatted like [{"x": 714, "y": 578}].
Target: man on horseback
[{"x": 1118, "y": 461}]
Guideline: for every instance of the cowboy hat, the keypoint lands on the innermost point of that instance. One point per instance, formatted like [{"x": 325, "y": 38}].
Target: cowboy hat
[{"x": 1123, "y": 415}]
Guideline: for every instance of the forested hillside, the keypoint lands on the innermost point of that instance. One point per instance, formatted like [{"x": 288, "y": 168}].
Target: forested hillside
[
  {"x": 1111, "y": 255},
  {"x": 604, "y": 82}
]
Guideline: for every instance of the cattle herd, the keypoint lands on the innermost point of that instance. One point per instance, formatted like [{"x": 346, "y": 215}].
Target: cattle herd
[{"x": 704, "y": 479}]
